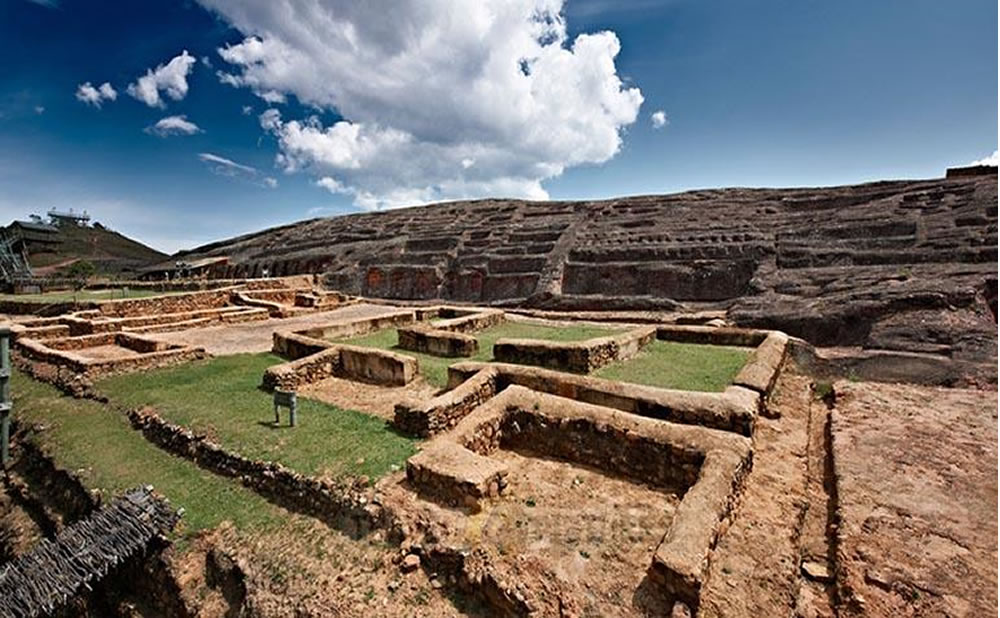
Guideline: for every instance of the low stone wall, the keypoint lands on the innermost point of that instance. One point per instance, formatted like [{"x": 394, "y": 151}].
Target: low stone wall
[
  {"x": 437, "y": 342},
  {"x": 344, "y": 504},
  {"x": 576, "y": 356},
  {"x": 343, "y": 361},
  {"x": 90, "y": 322},
  {"x": 320, "y": 300},
  {"x": 65, "y": 353},
  {"x": 735, "y": 409},
  {"x": 424, "y": 419},
  {"x": 305, "y": 370},
  {"x": 453, "y": 475},
  {"x": 709, "y": 335},
  {"x": 174, "y": 303},
  {"x": 43, "y": 308},
  {"x": 705, "y": 466},
  {"x": 761, "y": 370},
  {"x": 361, "y": 326},
  {"x": 271, "y": 283},
  {"x": 50, "y": 331},
  {"x": 376, "y": 366},
  {"x": 81, "y": 342},
  {"x": 468, "y": 321},
  {"x": 274, "y": 309},
  {"x": 681, "y": 561},
  {"x": 294, "y": 346}
]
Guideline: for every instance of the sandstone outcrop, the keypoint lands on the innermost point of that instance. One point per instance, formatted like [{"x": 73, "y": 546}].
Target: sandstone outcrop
[{"x": 903, "y": 265}]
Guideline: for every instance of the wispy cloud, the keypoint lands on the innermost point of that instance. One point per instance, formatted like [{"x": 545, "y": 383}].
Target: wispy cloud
[
  {"x": 221, "y": 166},
  {"x": 49, "y": 4}
]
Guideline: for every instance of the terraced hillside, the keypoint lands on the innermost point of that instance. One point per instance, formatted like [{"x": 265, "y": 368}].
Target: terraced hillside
[{"x": 904, "y": 265}]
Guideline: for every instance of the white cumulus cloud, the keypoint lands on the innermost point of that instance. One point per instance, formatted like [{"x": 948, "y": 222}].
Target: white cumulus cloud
[
  {"x": 440, "y": 99},
  {"x": 171, "y": 78},
  {"x": 173, "y": 125},
  {"x": 659, "y": 119},
  {"x": 90, "y": 95},
  {"x": 993, "y": 159}
]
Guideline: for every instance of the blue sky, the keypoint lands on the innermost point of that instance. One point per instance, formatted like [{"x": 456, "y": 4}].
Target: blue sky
[{"x": 390, "y": 107}]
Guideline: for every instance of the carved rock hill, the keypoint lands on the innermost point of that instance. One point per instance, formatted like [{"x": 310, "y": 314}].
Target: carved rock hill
[{"x": 905, "y": 265}]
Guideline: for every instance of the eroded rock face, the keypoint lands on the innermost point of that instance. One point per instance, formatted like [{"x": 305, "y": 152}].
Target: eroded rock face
[{"x": 907, "y": 265}]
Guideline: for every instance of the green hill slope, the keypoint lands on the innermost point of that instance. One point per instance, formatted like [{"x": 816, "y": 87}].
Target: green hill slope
[{"x": 109, "y": 251}]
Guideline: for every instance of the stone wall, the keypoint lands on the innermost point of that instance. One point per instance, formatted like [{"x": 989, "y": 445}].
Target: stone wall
[
  {"x": 376, "y": 366},
  {"x": 343, "y": 361},
  {"x": 761, "y": 370},
  {"x": 65, "y": 353},
  {"x": 710, "y": 335},
  {"x": 50, "y": 331},
  {"x": 344, "y": 504},
  {"x": 468, "y": 321},
  {"x": 89, "y": 322},
  {"x": 305, "y": 370},
  {"x": 734, "y": 410},
  {"x": 176, "y": 303},
  {"x": 437, "y": 342},
  {"x": 361, "y": 326},
  {"x": 705, "y": 466},
  {"x": 424, "y": 419},
  {"x": 294, "y": 346},
  {"x": 577, "y": 356}
]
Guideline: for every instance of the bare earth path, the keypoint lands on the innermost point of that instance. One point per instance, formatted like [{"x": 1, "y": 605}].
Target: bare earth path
[
  {"x": 755, "y": 570},
  {"x": 256, "y": 336}
]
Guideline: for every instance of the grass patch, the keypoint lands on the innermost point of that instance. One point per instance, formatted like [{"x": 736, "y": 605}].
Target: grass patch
[
  {"x": 220, "y": 397},
  {"x": 100, "y": 445},
  {"x": 684, "y": 366},
  {"x": 66, "y": 296},
  {"x": 435, "y": 368}
]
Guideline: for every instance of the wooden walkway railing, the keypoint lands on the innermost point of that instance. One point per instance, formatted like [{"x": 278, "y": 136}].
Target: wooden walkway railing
[{"x": 47, "y": 577}]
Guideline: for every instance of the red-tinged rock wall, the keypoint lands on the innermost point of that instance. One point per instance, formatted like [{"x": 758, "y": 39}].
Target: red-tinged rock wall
[{"x": 902, "y": 265}]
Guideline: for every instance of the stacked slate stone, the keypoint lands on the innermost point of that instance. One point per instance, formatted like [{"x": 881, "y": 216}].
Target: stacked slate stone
[{"x": 47, "y": 577}]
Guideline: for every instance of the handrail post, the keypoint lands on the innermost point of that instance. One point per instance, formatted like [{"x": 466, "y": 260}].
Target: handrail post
[{"x": 5, "y": 405}]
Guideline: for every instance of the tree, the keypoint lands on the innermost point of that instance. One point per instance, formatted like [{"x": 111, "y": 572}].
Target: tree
[{"x": 80, "y": 272}]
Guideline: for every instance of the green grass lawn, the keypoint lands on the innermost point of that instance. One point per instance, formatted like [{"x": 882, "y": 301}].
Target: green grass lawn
[
  {"x": 220, "y": 397},
  {"x": 684, "y": 366},
  {"x": 435, "y": 368},
  {"x": 63, "y": 296},
  {"x": 109, "y": 455}
]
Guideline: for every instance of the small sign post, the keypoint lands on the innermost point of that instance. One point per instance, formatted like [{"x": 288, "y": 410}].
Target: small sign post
[
  {"x": 288, "y": 400},
  {"x": 5, "y": 406}
]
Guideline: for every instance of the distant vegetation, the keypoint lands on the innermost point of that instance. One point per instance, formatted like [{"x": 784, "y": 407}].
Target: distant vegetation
[{"x": 109, "y": 252}]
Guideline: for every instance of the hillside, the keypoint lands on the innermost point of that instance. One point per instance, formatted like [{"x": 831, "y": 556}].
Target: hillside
[
  {"x": 906, "y": 265},
  {"x": 110, "y": 251}
]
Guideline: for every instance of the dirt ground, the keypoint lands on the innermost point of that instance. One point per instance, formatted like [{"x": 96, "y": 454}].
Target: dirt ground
[
  {"x": 257, "y": 336},
  {"x": 369, "y": 398},
  {"x": 754, "y": 570},
  {"x": 916, "y": 473},
  {"x": 596, "y": 532},
  {"x": 308, "y": 570},
  {"x": 108, "y": 352}
]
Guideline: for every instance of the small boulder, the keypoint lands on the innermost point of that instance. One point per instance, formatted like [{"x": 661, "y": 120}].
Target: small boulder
[{"x": 410, "y": 563}]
